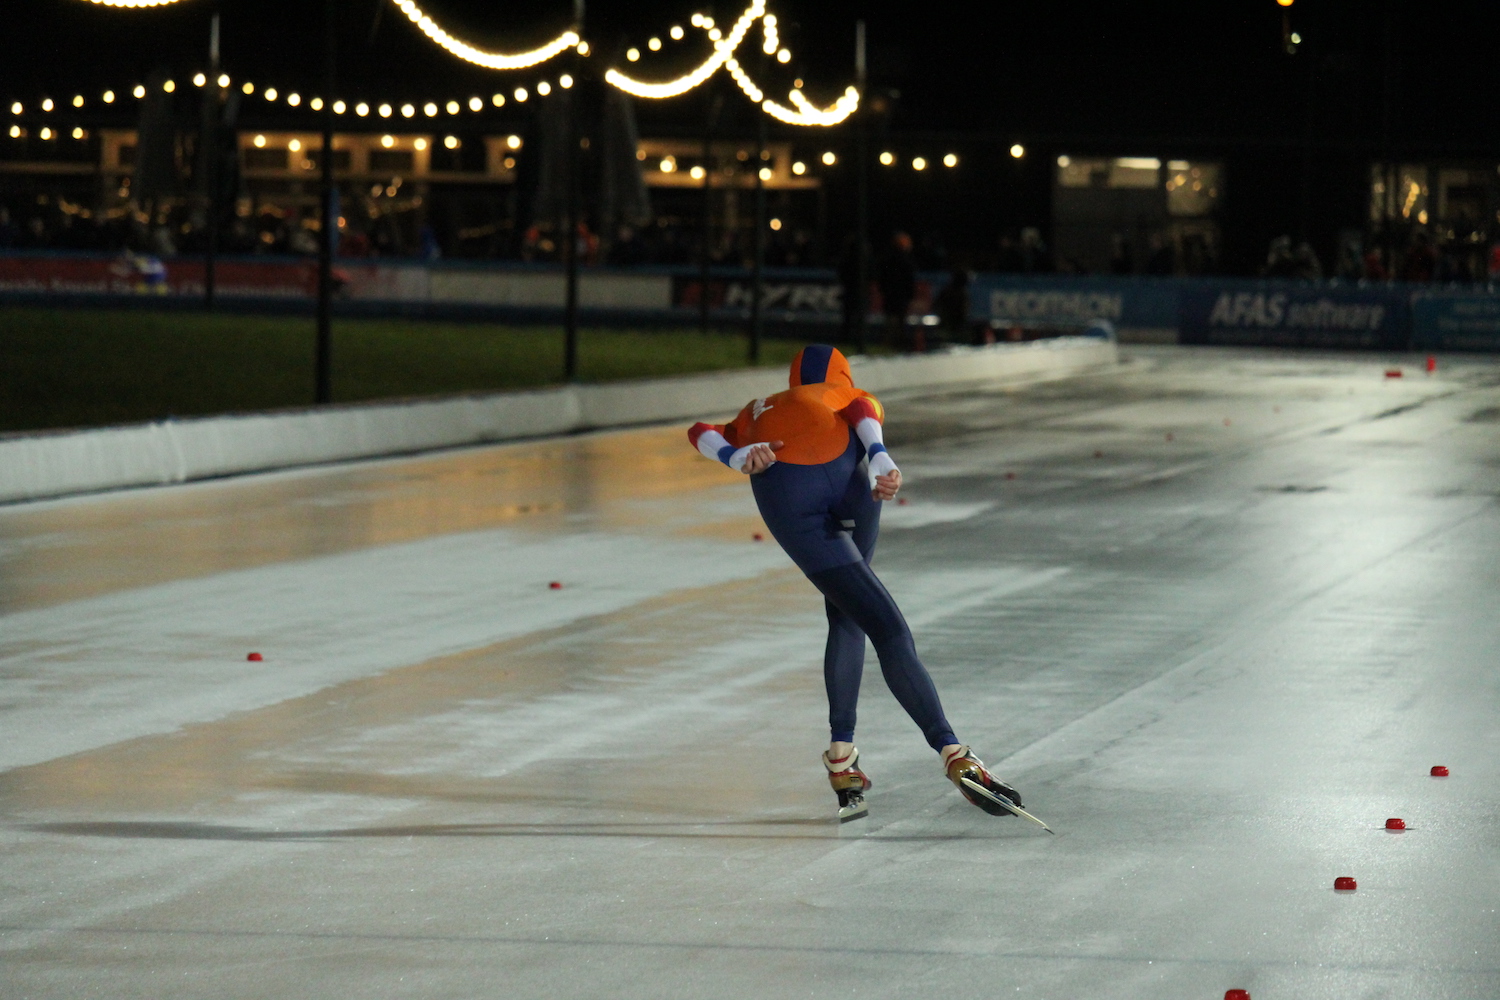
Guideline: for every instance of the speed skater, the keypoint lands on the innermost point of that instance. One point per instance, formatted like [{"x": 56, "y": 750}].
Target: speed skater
[{"x": 819, "y": 469}]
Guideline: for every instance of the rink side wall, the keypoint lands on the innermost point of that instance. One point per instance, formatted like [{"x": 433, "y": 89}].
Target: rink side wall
[{"x": 59, "y": 464}]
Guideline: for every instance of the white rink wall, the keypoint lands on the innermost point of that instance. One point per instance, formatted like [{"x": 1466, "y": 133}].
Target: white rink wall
[{"x": 57, "y": 464}]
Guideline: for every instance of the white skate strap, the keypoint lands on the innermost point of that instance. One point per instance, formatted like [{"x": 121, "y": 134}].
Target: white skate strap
[{"x": 842, "y": 763}]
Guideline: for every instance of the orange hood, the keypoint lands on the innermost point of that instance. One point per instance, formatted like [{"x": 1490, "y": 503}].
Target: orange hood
[{"x": 817, "y": 363}]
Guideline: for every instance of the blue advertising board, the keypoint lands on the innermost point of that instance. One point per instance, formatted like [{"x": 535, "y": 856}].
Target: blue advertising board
[
  {"x": 1294, "y": 314},
  {"x": 1458, "y": 321}
]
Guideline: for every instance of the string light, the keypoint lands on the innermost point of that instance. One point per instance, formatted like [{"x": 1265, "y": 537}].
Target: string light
[
  {"x": 16, "y": 108},
  {"x": 223, "y": 79},
  {"x": 565, "y": 81},
  {"x": 316, "y": 104},
  {"x": 79, "y": 133},
  {"x": 801, "y": 111},
  {"x": 199, "y": 80},
  {"x": 419, "y": 144},
  {"x": 408, "y": 111},
  {"x": 339, "y": 107},
  {"x": 109, "y": 97},
  {"x": 46, "y": 133},
  {"x": 46, "y": 104},
  {"x": 429, "y": 109},
  {"x": 169, "y": 87},
  {"x": 451, "y": 142},
  {"x": 808, "y": 113},
  {"x": 15, "y": 132},
  {"x": 387, "y": 141},
  {"x": 248, "y": 88},
  {"x": 951, "y": 160},
  {"x": 799, "y": 168},
  {"x": 886, "y": 159},
  {"x": 919, "y": 163},
  {"x": 138, "y": 92},
  {"x": 829, "y": 158},
  {"x": 489, "y": 60},
  {"x": 1019, "y": 151},
  {"x": 723, "y": 49}
]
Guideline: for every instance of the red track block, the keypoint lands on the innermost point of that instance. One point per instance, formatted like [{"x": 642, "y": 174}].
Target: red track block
[
  {"x": 1393, "y": 373},
  {"x": 255, "y": 658},
  {"x": 554, "y": 585},
  {"x": 1010, "y": 475},
  {"x": 1431, "y": 363},
  {"x": 1395, "y": 823},
  {"x": 1345, "y": 884},
  {"x": 757, "y": 537},
  {"x": 1098, "y": 454},
  {"x": 902, "y": 501},
  {"x": 1236, "y": 995},
  {"x": 1439, "y": 771},
  {"x": 1227, "y": 421},
  {"x": 1169, "y": 436}
]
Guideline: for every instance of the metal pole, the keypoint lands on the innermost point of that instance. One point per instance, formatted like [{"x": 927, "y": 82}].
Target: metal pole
[
  {"x": 757, "y": 274},
  {"x": 323, "y": 370},
  {"x": 706, "y": 236},
  {"x": 570, "y": 238},
  {"x": 211, "y": 159},
  {"x": 862, "y": 188}
]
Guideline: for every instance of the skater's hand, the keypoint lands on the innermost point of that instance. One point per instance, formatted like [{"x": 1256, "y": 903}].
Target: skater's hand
[
  {"x": 761, "y": 457},
  {"x": 886, "y": 486}
]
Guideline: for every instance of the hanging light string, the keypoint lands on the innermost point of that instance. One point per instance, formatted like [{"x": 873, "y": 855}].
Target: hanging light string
[
  {"x": 801, "y": 111},
  {"x": 293, "y": 99},
  {"x": 479, "y": 57}
]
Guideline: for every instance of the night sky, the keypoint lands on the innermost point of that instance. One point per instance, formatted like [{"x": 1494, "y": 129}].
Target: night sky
[{"x": 1134, "y": 71}]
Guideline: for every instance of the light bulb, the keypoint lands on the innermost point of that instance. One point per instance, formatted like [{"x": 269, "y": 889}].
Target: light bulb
[
  {"x": 829, "y": 159},
  {"x": 451, "y": 142}
]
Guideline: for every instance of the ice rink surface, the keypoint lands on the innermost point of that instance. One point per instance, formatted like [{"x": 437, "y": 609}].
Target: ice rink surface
[{"x": 1215, "y": 614}]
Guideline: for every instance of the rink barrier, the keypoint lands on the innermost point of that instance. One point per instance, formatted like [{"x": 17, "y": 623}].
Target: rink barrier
[{"x": 39, "y": 466}]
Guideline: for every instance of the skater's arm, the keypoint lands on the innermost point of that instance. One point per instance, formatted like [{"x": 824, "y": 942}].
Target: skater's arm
[
  {"x": 864, "y": 416},
  {"x": 752, "y": 458}
]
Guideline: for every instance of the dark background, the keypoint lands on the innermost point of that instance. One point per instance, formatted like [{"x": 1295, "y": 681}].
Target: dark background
[{"x": 1373, "y": 79}]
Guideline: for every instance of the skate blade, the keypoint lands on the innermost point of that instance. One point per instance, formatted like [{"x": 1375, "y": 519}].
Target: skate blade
[
  {"x": 1004, "y": 803},
  {"x": 853, "y": 811}
]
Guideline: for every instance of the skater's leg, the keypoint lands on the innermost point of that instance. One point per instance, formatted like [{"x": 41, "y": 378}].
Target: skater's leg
[
  {"x": 843, "y": 661},
  {"x": 843, "y": 666},
  {"x": 857, "y": 592}
]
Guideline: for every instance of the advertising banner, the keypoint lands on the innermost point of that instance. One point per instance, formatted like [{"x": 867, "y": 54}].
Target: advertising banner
[
  {"x": 1294, "y": 315},
  {"x": 809, "y": 295},
  {"x": 1066, "y": 302},
  {"x": 1456, "y": 322}
]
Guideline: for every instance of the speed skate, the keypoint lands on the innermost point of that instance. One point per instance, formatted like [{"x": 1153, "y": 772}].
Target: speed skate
[{"x": 1004, "y": 803}]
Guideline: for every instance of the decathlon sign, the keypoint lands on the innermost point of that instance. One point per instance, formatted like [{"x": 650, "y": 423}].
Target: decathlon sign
[{"x": 1008, "y": 305}]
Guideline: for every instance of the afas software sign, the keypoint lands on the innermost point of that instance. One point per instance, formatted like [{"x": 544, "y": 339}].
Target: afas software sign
[{"x": 1376, "y": 316}]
